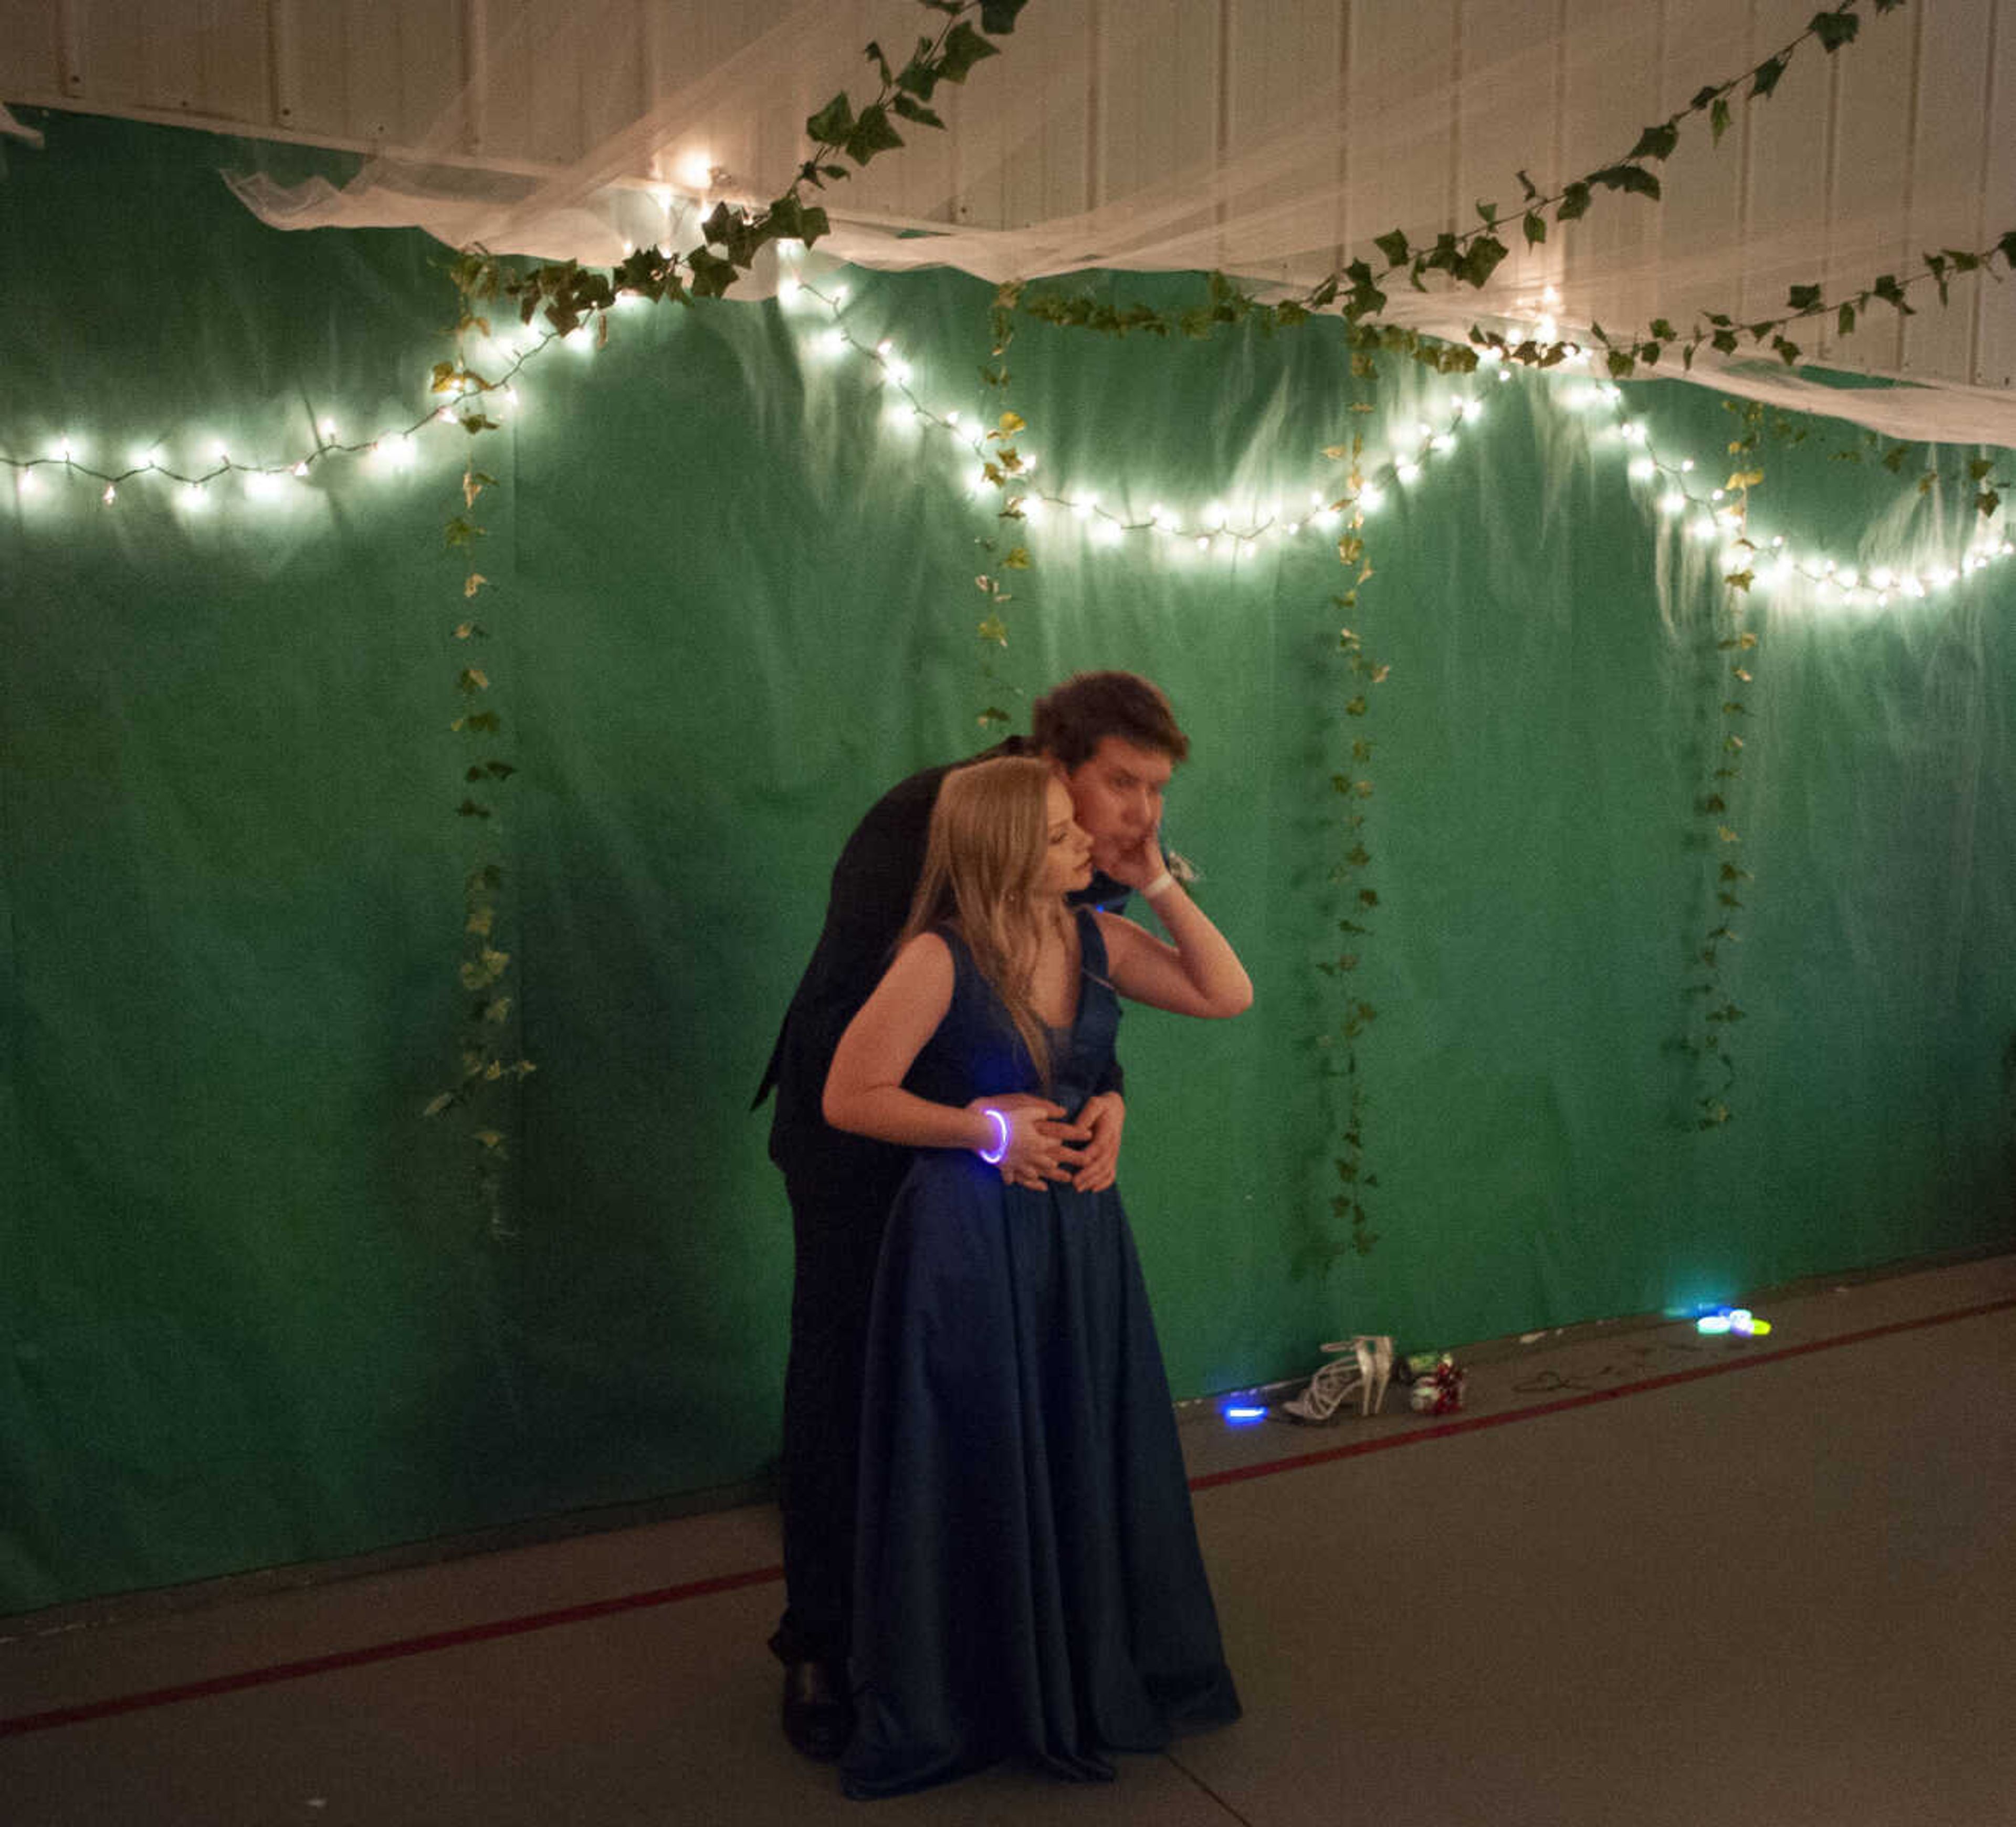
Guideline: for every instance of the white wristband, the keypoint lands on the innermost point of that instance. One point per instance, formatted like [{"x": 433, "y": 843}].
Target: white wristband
[{"x": 1160, "y": 885}]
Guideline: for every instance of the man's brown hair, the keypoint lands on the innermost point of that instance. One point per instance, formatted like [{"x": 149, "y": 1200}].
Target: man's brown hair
[{"x": 1070, "y": 720}]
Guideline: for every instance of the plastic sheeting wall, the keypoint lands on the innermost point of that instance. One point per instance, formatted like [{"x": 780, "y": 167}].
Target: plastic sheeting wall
[{"x": 246, "y": 1314}]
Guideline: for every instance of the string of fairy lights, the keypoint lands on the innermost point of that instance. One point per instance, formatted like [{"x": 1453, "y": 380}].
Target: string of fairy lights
[{"x": 1681, "y": 489}]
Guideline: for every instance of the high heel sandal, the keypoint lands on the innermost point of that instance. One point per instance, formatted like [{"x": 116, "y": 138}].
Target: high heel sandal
[{"x": 1365, "y": 1376}]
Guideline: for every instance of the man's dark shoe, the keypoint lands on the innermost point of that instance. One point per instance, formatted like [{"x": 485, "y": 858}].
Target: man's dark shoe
[{"x": 819, "y": 1716}]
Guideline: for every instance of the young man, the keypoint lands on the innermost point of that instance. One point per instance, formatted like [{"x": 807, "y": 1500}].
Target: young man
[{"x": 1117, "y": 743}]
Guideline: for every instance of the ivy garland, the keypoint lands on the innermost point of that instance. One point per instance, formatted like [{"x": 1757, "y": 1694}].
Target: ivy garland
[
  {"x": 1353, "y": 785},
  {"x": 566, "y": 296},
  {"x": 1470, "y": 257}
]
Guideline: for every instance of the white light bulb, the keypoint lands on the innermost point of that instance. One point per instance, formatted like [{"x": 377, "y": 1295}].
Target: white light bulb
[
  {"x": 1643, "y": 469},
  {"x": 1082, "y": 507},
  {"x": 952, "y": 418},
  {"x": 1704, "y": 528},
  {"x": 1880, "y": 577},
  {"x": 1715, "y": 494},
  {"x": 885, "y": 348},
  {"x": 1406, "y": 472},
  {"x": 1672, "y": 501},
  {"x": 1849, "y": 577},
  {"x": 1371, "y": 499},
  {"x": 1549, "y": 296},
  {"x": 140, "y": 459},
  {"x": 1213, "y": 516},
  {"x": 193, "y": 497},
  {"x": 111, "y": 495},
  {"x": 28, "y": 482},
  {"x": 1032, "y": 507},
  {"x": 328, "y": 429},
  {"x": 1106, "y": 533},
  {"x": 1686, "y": 465},
  {"x": 1292, "y": 528},
  {"x": 1472, "y": 409},
  {"x": 301, "y": 469},
  {"x": 1203, "y": 544},
  {"x": 1443, "y": 444},
  {"x": 788, "y": 290}
]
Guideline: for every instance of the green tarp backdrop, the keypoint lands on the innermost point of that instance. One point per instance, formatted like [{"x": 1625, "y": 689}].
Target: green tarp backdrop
[{"x": 249, "y": 1314}]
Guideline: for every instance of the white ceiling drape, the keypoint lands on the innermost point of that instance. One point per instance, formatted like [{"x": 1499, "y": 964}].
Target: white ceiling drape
[{"x": 1271, "y": 139}]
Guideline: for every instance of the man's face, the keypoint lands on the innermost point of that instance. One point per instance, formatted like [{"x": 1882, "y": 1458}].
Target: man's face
[{"x": 1117, "y": 794}]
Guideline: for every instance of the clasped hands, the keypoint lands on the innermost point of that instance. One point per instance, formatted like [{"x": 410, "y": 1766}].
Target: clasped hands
[{"x": 1045, "y": 1144}]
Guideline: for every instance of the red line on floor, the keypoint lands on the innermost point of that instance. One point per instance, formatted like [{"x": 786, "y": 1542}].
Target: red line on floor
[{"x": 575, "y": 1614}]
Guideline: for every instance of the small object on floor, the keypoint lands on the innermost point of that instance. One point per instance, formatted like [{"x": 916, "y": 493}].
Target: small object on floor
[
  {"x": 1440, "y": 1391},
  {"x": 1364, "y": 1375},
  {"x": 818, "y": 1713},
  {"x": 1738, "y": 1320}
]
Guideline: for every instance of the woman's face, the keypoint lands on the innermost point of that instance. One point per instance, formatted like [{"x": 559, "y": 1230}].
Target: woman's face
[{"x": 1067, "y": 850}]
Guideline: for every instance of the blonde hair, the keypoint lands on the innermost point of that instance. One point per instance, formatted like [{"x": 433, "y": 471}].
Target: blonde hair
[{"x": 982, "y": 866}]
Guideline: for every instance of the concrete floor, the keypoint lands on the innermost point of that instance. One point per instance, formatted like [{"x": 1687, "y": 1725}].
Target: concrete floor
[{"x": 1645, "y": 1578}]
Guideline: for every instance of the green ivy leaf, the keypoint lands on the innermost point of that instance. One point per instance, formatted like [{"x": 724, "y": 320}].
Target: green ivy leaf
[
  {"x": 1393, "y": 247},
  {"x": 1574, "y": 203},
  {"x": 872, "y": 133},
  {"x": 998, "y": 16},
  {"x": 1632, "y": 179},
  {"x": 963, "y": 48},
  {"x": 1891, "y": 293},
  {"x": 1764, "y": 79},
  {"x": 1535, "y": 225},
  {"x": 1485, "y": 252},
  {"x": 712, "y": 275},
  {"x": 916, "y": 111},
  {"x": 832, "y": 125},
  {"x": 1657, "y": 142},
  {"x": 1805, "y": 298},
  {"x": 1834, "y": 29},
  {"x": 1717, "y": 119}
]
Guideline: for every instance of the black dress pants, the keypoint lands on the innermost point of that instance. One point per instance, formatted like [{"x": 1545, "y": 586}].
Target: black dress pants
[{"x": 837, "y": 1221}]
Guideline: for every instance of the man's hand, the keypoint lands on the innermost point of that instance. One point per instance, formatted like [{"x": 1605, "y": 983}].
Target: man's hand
[
  {"x": 1103, "y": 1117},
  {"x": 1045, "y": 1140}
]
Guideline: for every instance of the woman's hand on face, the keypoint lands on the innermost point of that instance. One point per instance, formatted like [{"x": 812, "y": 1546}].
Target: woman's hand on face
[{"x": 1041, "y": 1139}]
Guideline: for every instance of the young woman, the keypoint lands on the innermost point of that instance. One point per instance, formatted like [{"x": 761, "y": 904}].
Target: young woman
[{"x": 1027, "y": 1576}]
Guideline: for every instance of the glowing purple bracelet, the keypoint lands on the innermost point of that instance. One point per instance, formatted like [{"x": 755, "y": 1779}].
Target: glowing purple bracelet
[{"x": 999, "y": 1119}]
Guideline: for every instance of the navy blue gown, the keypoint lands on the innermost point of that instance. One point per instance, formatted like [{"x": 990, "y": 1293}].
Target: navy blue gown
[{"x": 1027, "y": 1575}]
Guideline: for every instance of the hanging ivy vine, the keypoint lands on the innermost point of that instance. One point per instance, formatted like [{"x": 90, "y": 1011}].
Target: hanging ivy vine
[
  {"x": 1006, "y": 549},
  {"x": 1730, "y": 674},
  {"x": 1351, "y": 784},
  {"x": 1358, "y": 290},
  {"x": 566, "y": 296}
]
